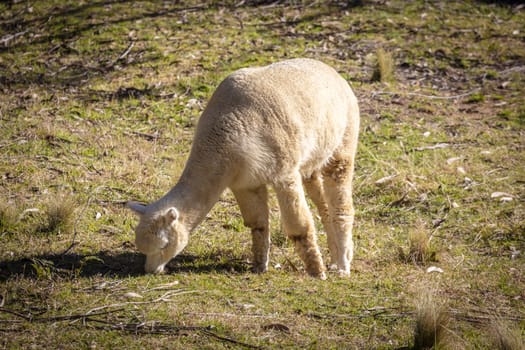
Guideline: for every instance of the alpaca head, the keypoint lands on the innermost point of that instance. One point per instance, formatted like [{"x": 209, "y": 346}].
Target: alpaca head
[{"x": 158, "y": 235}]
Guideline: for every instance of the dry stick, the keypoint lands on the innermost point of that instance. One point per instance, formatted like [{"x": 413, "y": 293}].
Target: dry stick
[
  {"x": 10, "y": 37},
  {"x": 123, "y": 55},
  {"x": 370, "y": 313},
  {"x": 233, "y": 341},
  {"x": 453, "y": 97},
  {"x": 143, "y": 328},
  {"x": 226, "y": 314},
  {"x": 30, "y": 317},
  {"x": 164, "y": 298},
  {"x": 129, "y": 327},
  {"x": 73, "y": 243}
]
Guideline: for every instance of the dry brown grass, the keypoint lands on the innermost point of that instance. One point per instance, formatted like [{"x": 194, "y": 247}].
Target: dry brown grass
[
  {"x": 384, "y": 69},
  {"x": 59, "y": 215},
  {"x": 431, "y": 323},
  {"x": 420, "y": 249},
  {"x": 503, "y": 336},
  {"x": 8, "y": 218}
]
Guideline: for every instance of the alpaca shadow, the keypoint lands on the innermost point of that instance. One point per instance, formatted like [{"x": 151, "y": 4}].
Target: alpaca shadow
[
  {"x": 115, "y": 265},
  {"x": 215, "y": 262},
  {"x": 72, "y": 265}
]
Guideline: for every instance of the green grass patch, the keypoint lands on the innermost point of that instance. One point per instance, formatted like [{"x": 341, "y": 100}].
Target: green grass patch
[{"x": 99, "y": 105}]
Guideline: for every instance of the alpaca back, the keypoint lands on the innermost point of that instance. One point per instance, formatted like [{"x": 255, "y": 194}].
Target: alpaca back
[{"x": 263, "y": 123}]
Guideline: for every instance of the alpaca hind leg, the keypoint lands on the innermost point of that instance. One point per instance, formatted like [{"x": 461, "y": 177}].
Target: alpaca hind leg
[
  {"x": 299, "y": 225},
  {"x": 254, "y": 208},
  {"x": 337, "y": 181},
  {"x": 315, "y": 190}
]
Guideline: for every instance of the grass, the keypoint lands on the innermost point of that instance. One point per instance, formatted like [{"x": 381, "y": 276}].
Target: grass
[
  {"x": 431, "y": 324},
  {"x": 58, "y": 215},
  {"x": 420, "y": 250},
  {"x": 504, "y": 336},
  {"x": 384, "y": 69},
  {"x": 86, "y": 125}
]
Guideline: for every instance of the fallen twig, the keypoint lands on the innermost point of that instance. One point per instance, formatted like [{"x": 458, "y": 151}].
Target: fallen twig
[
  {"x": 122, "y": 55},
  {"x": 433, "y": 147},
  {"x": 149, "y": 137},
  {"x": 228, "y": 314},
  {"x": 229, "y": 340},
  {"x": 73, "y": 241},
  {"x": 31, "y": 318},
  {"x": 9, "y": 37},
  {"x": 142, "y": 328},
  {"x": 370, "y": 313},
  {"x": 164, "y": 298},
  {"x": 433, "y": 97}
]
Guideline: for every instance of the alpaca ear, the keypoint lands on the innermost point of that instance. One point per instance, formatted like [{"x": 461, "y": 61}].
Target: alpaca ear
[
  {"x": 172, "y": 214},
  {"x": 137, "y": 208}
]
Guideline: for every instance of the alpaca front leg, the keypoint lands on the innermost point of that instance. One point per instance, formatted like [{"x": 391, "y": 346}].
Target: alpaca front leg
[
  {"x": 299, "y": 225},
  {"x": 260, "y": 249},
  {"x": 254, "y": 208}
]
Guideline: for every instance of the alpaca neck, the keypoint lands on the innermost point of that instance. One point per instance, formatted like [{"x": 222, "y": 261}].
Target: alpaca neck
[{"x": 194, "y": 196}]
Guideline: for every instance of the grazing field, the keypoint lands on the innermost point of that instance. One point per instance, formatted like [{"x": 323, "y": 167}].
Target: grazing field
[{"x": 98, "y": 105}]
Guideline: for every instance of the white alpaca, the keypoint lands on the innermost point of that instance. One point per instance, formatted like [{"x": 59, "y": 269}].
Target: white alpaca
[{"x": 289, "y": 124}]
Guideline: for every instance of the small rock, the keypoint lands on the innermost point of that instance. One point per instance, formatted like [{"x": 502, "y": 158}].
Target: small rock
[
  {"x": 434, "y": 269},
  {"x": 385, "y": 179},
  {"x": 247, "y": 306},
  {"x": 500, "y": 194},
  {"x": 133, "y": 295},
  {"x": 514, "y": 253},
  {"x": 453, "y": 160}
]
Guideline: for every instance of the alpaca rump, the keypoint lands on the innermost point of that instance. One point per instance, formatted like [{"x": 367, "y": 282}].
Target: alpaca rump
[{"x": 292, "y": 125}]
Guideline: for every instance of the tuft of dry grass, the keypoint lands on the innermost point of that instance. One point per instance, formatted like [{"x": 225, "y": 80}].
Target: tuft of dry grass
[
  {"x": 504, "y": 337},
  {"x": 384, "y": 69},
  {"x": 431, "y": 323},
  {"x": 420, "y": 250},
  {"x": 59, "y": 214},
  {"x": 8, "y": 218}
]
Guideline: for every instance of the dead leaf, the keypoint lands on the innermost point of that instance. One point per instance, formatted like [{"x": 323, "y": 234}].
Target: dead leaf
[
  {"x": 434, "y": 269},
  {"x": 385, "y": 179},
  {"x": 276, "y": 327},
  {"x": 133, "y": 295},
  {"x": 433, "y": 147},
  {"x": 453, "y": 160},
  {"x": 500, "y": 194}
]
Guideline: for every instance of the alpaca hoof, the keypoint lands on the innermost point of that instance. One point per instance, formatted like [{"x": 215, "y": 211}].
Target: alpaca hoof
[
  {"x": 343, "y": 270},
  {"x": 343, "y": 273},
  {"x": 260, "y": 268},
  {"x": 321, "y": 275}
]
